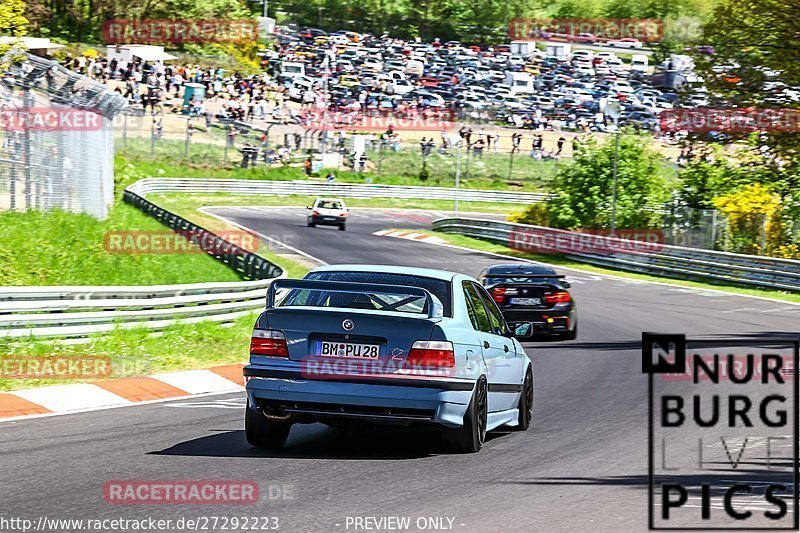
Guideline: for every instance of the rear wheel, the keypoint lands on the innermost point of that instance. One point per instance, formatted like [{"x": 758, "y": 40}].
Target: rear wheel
[
  {"x": 341, "y": 227},
  {"x": 311, "y": 224},
  {"x": 571, "y": 335},
  {"x": 469, "y": 438},
  {"x": 264, "y": 433},
  {"x": 525, "y": 405}
]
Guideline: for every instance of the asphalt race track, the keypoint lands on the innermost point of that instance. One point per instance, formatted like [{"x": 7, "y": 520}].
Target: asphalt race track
[{"x": 581, "y": 467}]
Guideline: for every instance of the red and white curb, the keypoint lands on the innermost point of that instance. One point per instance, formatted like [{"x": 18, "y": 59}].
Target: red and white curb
[
  {"x": 61, "y": 399},
  {"x": 410, "y": 235}
]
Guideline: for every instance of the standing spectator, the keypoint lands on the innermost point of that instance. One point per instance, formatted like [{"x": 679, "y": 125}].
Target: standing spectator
[
  {"x": 331, "y": 177},
  {"x": 496, "y": 142},
  {"x": 307, "y": 166},
  {"x": 516, "y": 137},
  {"x": 477, "y": 149},
  {"x": 560, "y": 145}
]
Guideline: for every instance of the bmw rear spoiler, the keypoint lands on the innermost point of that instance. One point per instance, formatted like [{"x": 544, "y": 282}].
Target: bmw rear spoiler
[
  {"x": 526, "y": 276},
  {"x": 539, "y": 276},
  {"x": 432, "y": 303}
]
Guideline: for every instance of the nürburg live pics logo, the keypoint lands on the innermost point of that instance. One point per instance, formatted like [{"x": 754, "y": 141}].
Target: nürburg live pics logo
[{"x": 723, "y": 432}]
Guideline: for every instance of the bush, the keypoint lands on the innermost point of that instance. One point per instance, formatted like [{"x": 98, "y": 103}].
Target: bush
[
  {"x": 751, "y": 213},
  {"x": 536, "y": 214},
  {"x": 584, "y": 187}
]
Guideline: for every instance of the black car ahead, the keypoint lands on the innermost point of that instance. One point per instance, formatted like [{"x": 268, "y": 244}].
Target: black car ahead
[{"x": 533, "y": 293}]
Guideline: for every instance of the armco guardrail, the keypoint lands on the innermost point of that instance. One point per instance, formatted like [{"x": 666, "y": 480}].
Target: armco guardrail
[
  {"x": 74, "y": 312},
  {"x": 248, "y": 264},
  {"x": 78, "y": 312},
  {"x": 309, "y": 188},
  {"x": 669, "y": 261}
]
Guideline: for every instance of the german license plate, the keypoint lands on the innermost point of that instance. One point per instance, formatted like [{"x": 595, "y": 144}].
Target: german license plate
[
  {"x": 526, "y": 301},
  {"x": 348, "y": 350}
]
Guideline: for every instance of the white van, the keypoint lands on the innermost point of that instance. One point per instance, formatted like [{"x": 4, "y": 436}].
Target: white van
[
  {"x": 292, "y": 69},
  {"x": 415, "y": 67},
  {"x": 520, "y": 82},
  {"x": 639, "y": 63}
]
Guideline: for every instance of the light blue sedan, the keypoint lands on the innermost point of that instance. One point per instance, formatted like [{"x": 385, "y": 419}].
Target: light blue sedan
[{"x": 387, "y": 345}]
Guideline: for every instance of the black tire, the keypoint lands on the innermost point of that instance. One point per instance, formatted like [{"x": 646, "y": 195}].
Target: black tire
[
  {"x": 341, "y": 227},
  {"x": 571, "y": 335},
  {"x": 264, "y": 433},
  {"x": 525, "y": 404},
  {"x": 311, "y": 225},
  {"x": 469, "y": 438}
]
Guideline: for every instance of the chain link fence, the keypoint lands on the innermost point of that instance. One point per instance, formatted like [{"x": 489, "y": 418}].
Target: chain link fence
[
  {"x": 207, "y": 140},
  {"x": 56, "y": 138}
]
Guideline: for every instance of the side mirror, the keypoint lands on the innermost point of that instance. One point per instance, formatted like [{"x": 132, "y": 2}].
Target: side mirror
[
  {"x": 566, "y": 284},
  {"x": 522, "y": 330},
  {"x": 308, "y": 207}
]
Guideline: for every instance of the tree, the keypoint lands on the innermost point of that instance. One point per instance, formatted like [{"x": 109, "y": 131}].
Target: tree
[
  {"x": 12, "y": 22},
  {"x": 756, "y": 39},
  {"x": 12, "y": 18},
  {"x": 583, "y": 188}
]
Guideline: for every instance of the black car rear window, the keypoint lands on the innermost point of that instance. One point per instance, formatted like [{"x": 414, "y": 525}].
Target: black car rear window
[{"x": 439, "y": 288}]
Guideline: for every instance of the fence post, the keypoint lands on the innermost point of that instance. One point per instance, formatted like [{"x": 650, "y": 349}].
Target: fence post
[
  {"x": 510, "y": 163},
  {"x": 714, "y": 229},
  {"x": 189, "y": 132},
  {"x": 153, "y": 139},
  {"x": 380, "y": 155},
  {"x": 26, "y": 151}
]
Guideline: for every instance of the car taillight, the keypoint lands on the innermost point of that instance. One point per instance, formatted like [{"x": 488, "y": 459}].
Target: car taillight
[
  {"x": 268, "y": 342},
  {"x": 560, "y": 297},
  {"x": 315, "y": 213},
  {"x": 498, "y": 294},
  {"x": 431, "y": 353},
  {"x": 344, "y": 214}
]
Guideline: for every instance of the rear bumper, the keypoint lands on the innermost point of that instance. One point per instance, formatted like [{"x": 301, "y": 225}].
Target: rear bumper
[
  {"x": 544, "y": 322},
  {"x": 323, "y": 220},
  {"x": 374, "y": 399}
]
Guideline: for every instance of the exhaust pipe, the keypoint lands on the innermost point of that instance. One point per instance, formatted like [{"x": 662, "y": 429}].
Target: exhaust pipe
[{"x": 275, "y": 414}]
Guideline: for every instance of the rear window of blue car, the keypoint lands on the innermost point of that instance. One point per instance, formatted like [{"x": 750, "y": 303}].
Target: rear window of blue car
[{"x": 437, "y": 287}]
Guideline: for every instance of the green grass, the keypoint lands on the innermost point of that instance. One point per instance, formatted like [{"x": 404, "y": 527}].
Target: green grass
[
  {"x": 59, "y": 248},
  {"x": 559, "y": 260},
  {"x": 137, "y": 352},
  {"x": 187, "y": 204}
]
